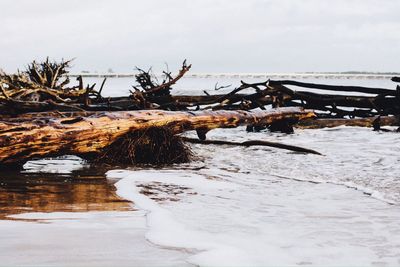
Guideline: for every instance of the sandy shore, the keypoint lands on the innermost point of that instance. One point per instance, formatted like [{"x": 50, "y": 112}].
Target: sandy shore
[
  {"x": 82, "y": 239},
  {"x": 72, "y": 219}
]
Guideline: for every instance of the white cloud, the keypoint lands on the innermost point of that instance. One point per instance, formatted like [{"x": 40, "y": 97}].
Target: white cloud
[{"x": 215, "y": 35}]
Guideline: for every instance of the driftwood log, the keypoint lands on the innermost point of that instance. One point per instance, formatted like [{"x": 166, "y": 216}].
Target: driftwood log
[
  {"x": 252, "y": 143},
  {"x": 22, "y": 138},
  {"x": 373, "y": 101},
  {"x": 396, "y": 79},
  {"x": 340, "y": 88},
  {"x": 373, "y": 122}
]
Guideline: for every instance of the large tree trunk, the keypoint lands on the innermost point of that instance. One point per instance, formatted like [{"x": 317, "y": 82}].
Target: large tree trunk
[{"x": 22, "y": 138}]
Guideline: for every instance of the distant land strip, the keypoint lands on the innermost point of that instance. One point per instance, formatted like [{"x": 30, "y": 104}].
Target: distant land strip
[{"x": 294, "y": 75}]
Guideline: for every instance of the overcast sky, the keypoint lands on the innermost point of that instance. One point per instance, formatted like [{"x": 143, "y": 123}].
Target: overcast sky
[{"x": 214, "y": 35}]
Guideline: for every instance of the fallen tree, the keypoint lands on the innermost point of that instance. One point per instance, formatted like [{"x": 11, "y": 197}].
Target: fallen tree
[
  {"x": 42, "y": 115},
  {"x": 43, "y": 87},
  {"x": 374, "y": 122},
  {"x": 396, "y": 79},
  {"x": 340, "y": 88},
  {"x": 252, "y": 143},
  {"x": 374, "y": 101},
  {"x": 22, "y": 138}
]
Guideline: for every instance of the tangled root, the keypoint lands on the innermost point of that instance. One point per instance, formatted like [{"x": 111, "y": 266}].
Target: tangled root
[{"x": 155, "y": 145}]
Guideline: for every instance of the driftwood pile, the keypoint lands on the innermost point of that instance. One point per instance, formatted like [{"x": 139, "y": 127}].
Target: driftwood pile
[
  {"x": 45, "y": 87},
  {"x": 42, "y": 87},
  {"x": 41, "y": 115}
]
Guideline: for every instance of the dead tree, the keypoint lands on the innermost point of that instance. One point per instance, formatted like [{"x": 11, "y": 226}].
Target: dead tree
[
  {"x": 377, "y": 101},
  {"x": 342, "y": 88},
  {"x": 41, "y": 83},
  {"x": 396, "y": 79},
  {"x": 43, "y": 87},
  {"x": 22, "y": 138}
]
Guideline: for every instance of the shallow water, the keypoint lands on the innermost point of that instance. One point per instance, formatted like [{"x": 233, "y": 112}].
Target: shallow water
[
  {"x": 54, "y": 186},
  {"x": 261, "y": 206},
  {"x": 232, "y": 206}
]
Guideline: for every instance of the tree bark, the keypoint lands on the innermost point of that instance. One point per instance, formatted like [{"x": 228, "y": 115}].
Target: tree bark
[
  {"x": 22, "y": 138},
  {"x": 362, "y": 122}
]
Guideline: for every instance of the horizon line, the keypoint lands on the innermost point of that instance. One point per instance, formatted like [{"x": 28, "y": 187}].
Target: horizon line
[{"x": 347, "y": 74}]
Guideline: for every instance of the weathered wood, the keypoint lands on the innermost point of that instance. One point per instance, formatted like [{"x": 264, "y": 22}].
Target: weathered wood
[
  {"x": 337, "y": 105},
  {"x": 172, "y": 81},
  {"x": 46, "y": 136},
  {"x": 343, "y": 88},
  {"x": 362, "y": 122},
  {"x": 42, "y": 87},
  {"x": 252, "y": 143},
  {"x": 396, "y": 79}
]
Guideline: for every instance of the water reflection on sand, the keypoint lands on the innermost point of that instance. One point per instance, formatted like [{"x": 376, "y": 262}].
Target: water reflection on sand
[
  {"x": 60, "y": 212},
  {"x": 81, "y": 190}
]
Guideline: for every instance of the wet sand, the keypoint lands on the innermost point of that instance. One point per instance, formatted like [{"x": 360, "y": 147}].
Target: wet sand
[
  {"x": 84, "y": 190},
  {"x": 73, "y": 219},
  {"x": 101, "y": 238}
]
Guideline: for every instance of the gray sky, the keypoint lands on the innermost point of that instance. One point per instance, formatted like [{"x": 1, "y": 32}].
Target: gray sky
[{"x": 214, "y": 35}]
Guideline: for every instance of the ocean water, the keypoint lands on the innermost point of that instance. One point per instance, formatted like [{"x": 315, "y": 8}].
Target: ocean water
[
  {"x": 265, "y": 207},
  {"x": 236, "y": 206}
]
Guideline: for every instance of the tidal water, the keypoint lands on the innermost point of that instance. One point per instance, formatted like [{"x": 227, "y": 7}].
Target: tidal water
[{"x": 231, "y": 206}]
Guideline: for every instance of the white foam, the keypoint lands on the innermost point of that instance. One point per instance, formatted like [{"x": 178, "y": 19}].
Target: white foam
[
  {"x": 266, "y": 221},
  {"x": 164, "y": 229},
  {"x": 61, "y": 165}
]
